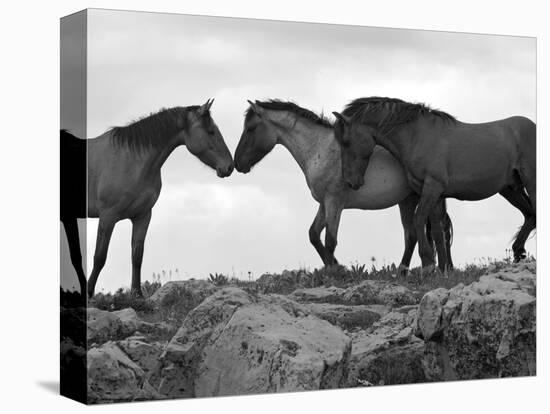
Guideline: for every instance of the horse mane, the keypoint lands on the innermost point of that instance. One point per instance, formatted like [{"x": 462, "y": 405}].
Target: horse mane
[
  {"x": 65, "y": 133},
  {"x": 153, "y": 130},
  {"x": 279, "y": 105},
  {"x": 396, "y": 111}
]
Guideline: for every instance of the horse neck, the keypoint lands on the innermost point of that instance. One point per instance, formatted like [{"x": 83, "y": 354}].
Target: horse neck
[
  {"x": 307, "y": 142},
  {"x": 397, "y": 140},
  {"x": 151, "y": 160}
]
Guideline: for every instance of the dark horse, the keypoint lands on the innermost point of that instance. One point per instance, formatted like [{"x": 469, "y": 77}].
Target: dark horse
[
  {"x": 123, "y": 180},
  {"x": 443, "y": 158},
  {"x": 310, "y": 140}
]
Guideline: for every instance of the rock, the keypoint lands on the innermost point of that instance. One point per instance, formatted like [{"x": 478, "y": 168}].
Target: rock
[
  {"x": 318, "y": 295},
  {"x": 103, "y": 326},
  {"x": 376, "y": 291},
  {"x": 284, "y": 283},
  {"x": 388, "y": 353},
  {"x": 394, "y": 295},
  {"x": 430, "y": 309},
  {"x": 113, "y": 377},
  {"x": 348, "y": 317},
  {"x": 193, "y": 291},
  {"x": 129, "y": 319},
  {"x": 143, "y": 353},
  {"x": 73, "y": 370},
  {"x": 235, "y": 343},
  {"x": 484, "y": 330},
  {"x": 174, "y": 300},
  {"x": 368, "y": 292}
]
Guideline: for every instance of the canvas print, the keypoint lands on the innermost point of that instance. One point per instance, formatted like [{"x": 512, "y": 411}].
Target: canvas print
[{"x": 253, "y": 206}]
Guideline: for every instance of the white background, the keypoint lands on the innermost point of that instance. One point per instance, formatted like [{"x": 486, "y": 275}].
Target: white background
[{"x": 29, "y": 95}]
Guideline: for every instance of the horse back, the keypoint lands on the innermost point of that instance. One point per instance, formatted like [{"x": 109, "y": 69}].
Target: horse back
[
  {"x": 72, "y": 176},
  {"x": 525, "y": 132}
]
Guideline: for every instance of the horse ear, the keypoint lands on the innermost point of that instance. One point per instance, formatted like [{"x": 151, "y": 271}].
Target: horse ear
[
  {"x": 341, "y": 117},
  {"x": 209, "y": 103},
  {"x": 255, "y": 107},
  {"x": 205, "y": 108}
]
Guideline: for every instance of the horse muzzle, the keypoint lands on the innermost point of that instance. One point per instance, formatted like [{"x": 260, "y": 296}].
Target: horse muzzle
[
  {"x": 242, "y": 169},
  {"x": 224, "y": 171},
  {"x": 356, "y": 185}
]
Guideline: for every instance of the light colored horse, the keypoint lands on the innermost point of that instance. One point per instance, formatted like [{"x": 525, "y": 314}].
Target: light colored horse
[
  {"x": 124, "y": 179},
  {"x": 310, "y": 140},
  {"x": 443, "y": 158}
]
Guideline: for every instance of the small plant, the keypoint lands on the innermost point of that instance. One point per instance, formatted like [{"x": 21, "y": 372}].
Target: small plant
[
  {"x": 148, "y": 288},
  {"x": 219, "y": 279},
  {"x": 124, "y": 298},
  {"x": 357, "y": 271}
]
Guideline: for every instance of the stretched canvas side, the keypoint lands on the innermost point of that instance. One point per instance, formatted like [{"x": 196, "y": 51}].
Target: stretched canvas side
[{"x": 73, "y": 205}]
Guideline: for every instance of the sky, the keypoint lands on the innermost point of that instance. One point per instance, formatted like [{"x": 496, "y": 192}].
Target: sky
[{"x": 140, "y": 62}]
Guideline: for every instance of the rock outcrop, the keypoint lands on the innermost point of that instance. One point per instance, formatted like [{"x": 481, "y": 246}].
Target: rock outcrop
[
  {"x": 368, "y": 292},
  {"x": 348, "y": 317},
  {"x": 484, "y": 330},
  {"x": 387, "y": 353},
  {"x": 103, "y": 326},
  {"x": 375, "y": 291},
  {"x": 228, "y": 341},
  {"x": 114, "y": 377},
  {"x": 192, "y": 292},
  {"x": 234, "y": 343}
]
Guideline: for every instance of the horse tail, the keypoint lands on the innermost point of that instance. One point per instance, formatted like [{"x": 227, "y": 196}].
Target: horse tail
[
  {"x": 448, "y": 224},
  {"x": 429, "y": 232}
]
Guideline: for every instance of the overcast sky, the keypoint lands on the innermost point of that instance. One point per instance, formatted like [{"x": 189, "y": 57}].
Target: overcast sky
[{"x": 140, "y": 62}]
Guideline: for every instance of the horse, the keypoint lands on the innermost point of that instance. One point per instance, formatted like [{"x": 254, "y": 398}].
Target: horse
[
  {"x": 73, "y": 196},
  {"x": 310, "y": 140},
  {"x": 443, "y": 158},
  {"x": 124, "y": 179}
]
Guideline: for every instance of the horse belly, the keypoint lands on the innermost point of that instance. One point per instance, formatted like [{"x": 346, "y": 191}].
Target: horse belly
[
  {"x": 480, "y": 180},
  {"x": 385, "y": 184},
  {"x": 480, "y": 186}
]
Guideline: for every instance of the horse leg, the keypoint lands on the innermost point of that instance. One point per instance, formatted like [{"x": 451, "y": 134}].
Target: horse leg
[
  {"x": 406, "y": 209},
  {"x": 71, "y": 230},
  {"x": 528, "y": 176},
  {"x": 333, "y": 211},
  {"x": 436, "y": 218},
  {"x": 431, "y": 192},
  {"x": 315, "y": 232},
  {"x": 139, "y": 230},
  {"x": 448, "y": 228},
  {"x": 519, "y": 200},
  {"x": 104, "y": 232}
]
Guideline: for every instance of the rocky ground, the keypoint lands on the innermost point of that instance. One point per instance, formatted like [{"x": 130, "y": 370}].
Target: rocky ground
[{"x": 196, "y": 339}]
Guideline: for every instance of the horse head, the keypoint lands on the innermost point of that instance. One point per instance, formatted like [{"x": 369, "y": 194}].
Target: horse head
[
  {"x": 205, "y": 141},
  {"x": 258, "y": 138},
  {"x": 357, "y": 144}
]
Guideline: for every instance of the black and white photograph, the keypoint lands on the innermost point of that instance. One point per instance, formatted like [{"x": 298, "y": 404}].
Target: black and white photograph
[
  {"x": 300, "y": 211},
  {"x": 298, "y": 221}
]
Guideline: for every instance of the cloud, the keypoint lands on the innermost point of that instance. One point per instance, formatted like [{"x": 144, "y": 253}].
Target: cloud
[
  {"x": 215, "y": 203},
  {"x": 140, "y": 62}
]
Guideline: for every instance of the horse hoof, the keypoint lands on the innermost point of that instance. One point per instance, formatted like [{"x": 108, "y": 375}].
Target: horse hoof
[
  {"x": 427, "y": 270},
  {"x": 519, "y": 256},
  {"x": 437, "y": 272},
  {"x": 137, "y": 294},
  {"x": 402, "y": 271}
]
